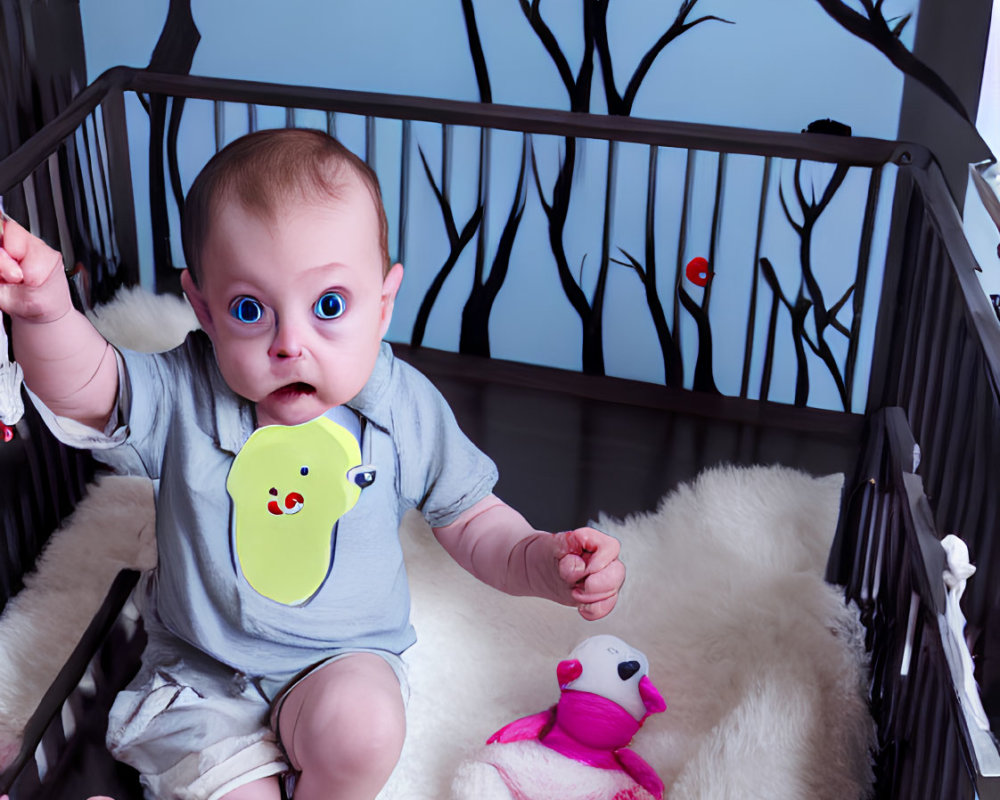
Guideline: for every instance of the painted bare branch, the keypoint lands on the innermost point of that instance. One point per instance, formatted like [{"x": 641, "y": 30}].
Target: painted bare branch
[
  {"x": 673, "y": 364},
  {"x": 557, "y": 212},
  {"x": 873, "y": 28},
  {"x": 457, "y": 241},
  {"x": 474, "y": 336},
  {"x": 798, "y": 312},
  {"x": 704, "y": 380},
  {"x": 475, "y": 332},
  {"x": 476, "y": 51},
  {"x": 174, "y": 52},
  {"x": 532, "y": 12},
  {"x": 748, "y": 345},
  {"x": 621, "y": 103},
  {"x": 811, "y": 210},
  {"x": 578, "y": 88}
]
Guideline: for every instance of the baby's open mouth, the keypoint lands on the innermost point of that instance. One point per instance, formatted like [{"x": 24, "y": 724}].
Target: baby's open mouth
[{"x": 295, "y": 389}]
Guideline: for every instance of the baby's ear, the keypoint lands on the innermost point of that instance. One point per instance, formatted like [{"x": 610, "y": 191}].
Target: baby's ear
[
  {"x": 198, "y": 302},
  {"x": 390, "y": 287}
]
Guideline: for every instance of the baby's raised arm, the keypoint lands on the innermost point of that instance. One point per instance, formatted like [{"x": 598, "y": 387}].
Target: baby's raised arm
[
  {"x": 66, "y": 362},
  {"x": 496, "y": 544}
]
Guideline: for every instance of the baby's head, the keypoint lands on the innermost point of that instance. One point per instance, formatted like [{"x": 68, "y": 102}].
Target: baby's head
[
  {"x": 288, "y": 271},
  {"x": 265, "y": 172}
]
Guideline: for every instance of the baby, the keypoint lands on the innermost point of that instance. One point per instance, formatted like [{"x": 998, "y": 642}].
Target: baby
[{"x": 285, "y": 238}]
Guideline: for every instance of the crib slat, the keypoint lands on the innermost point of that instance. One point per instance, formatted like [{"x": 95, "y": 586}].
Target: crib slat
[{"x": 45, "y": 730}]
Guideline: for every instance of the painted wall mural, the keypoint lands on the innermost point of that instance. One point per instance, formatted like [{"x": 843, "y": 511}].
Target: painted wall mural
[{"x": 744, "y": 275}]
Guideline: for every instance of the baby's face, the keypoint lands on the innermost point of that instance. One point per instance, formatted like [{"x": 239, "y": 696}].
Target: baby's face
[{"x": 297, "y": 307}]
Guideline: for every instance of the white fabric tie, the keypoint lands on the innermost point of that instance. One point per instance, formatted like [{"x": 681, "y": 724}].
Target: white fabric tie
[
  {"x": 957, "y": 571},
  {"x": 11, "y": 404}
]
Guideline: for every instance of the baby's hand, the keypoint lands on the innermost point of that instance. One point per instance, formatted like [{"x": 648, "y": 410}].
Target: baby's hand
[
  {"x": 588, "y": 563},
  {"x": 33, "y": 283}
]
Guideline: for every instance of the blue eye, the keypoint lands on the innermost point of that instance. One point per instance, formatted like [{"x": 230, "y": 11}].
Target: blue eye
[
  {"x": 246, "y": 309},
  {"x": 330, "y": 306}
]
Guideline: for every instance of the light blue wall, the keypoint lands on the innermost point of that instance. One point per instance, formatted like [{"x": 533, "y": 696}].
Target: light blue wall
[{"x": 779, "y": 65}]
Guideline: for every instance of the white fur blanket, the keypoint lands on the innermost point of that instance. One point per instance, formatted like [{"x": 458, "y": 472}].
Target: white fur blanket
[{"x": 759, "y": 660}]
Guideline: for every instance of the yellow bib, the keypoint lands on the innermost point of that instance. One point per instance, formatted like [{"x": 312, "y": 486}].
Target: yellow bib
[{"x": 289, "y": 486}]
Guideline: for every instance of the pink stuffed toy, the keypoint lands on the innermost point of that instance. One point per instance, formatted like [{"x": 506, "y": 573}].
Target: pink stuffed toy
[{"x": 577, "y": 750}]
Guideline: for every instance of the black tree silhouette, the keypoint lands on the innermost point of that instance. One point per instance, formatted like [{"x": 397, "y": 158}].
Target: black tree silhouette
[
  {"x": 174, "y": 52},
  {"x": 810, "y": 294},
  {"x": 475, "y": 331},
  {"x": 578, "y": 88},
  {"x": 673, "y": 366},
  {"x": 875, "y": 29},
  {"x": 458, "y": 240},
  {"x": 621, "y": 103},
  {"x": 474, "y": 336}
]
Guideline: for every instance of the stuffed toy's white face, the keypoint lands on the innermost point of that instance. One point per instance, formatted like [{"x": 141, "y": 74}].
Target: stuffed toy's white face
[{"x": 613, "y": 669}]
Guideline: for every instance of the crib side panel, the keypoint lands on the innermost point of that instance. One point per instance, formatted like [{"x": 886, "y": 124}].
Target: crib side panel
[
  {"x": 941, "y": 365},
  {"x": 69, "y": 184},
  {"x": 41, "y": 482},
  {"x": 63, "y": 755},
  {"x": 929, "y": 745}
]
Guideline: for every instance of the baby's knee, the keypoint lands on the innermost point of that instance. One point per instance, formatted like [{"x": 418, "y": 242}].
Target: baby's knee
[
  {"x": 363, "y": 736},
  {"x": 375, "y": 744},
  {"x": 350, "y": 722}
]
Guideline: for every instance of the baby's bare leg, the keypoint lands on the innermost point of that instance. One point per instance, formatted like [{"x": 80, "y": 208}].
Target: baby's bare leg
[
  {"x": 263, "y": 789},
  {"x": 343, "y": 728}
]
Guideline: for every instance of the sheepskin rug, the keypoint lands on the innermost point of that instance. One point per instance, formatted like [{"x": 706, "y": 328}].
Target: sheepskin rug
[{"x": 760, "y": 661}]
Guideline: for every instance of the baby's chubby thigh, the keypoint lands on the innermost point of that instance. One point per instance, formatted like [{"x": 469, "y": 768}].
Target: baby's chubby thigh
[{"x": 343, "y": 726}]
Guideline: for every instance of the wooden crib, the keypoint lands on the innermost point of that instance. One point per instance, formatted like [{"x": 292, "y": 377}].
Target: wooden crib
[{"x": 571, "y": 444}]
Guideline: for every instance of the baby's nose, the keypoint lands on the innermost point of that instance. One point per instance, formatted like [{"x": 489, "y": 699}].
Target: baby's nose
[{"x": 287, "y": 342}]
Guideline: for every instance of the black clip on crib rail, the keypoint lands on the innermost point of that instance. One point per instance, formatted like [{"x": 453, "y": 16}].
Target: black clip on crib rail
[{"x": 928, "y": 743}]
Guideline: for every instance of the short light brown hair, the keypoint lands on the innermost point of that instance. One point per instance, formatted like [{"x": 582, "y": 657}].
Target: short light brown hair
[{"x": 265, "y": 170}]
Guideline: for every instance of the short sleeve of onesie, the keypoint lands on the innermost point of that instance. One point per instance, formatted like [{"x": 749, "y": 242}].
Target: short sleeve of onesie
[
  {"x": 116, "y": 444},
  {"x": 154, "y": 390},
  {"x": 441, "y": 472}
]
